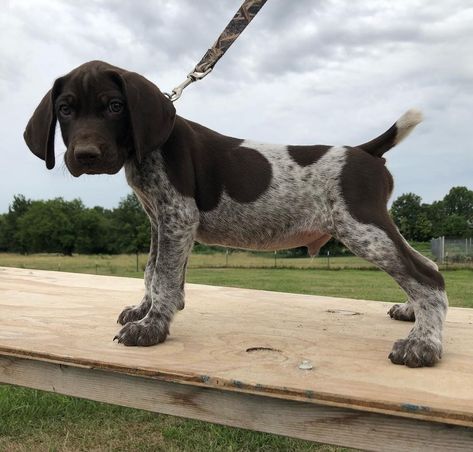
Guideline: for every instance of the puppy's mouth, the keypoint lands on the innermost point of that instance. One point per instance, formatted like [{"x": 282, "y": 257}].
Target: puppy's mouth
[
  {"x": 77, "y": 169},
  {"x": 84, "y": 169},
  {"x": 92, "y": 170}
]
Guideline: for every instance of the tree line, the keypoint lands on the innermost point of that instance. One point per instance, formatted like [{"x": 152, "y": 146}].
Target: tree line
[
  {"x": 450, "y": 217},
  {"x": 59, "y": 226}
]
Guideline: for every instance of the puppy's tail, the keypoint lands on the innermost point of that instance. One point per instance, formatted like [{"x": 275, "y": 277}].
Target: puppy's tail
[{"x": 394, "y": 135}]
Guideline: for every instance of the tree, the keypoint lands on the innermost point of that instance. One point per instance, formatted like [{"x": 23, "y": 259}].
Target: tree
[
  {"x": 436, "y": 215},
  {"x": 453, "y": 216},
  {"x": 131, "y": 226},
  {"x": 93, "y": 232},
  {"x": 16, "y": 210},
  {"x": 411, "y": 217},
  {"x": 49, "y": 226},
  {"x": 4, "y": 246},
  {"x": 456, "y": 226},
  {"x": 459, "y": 201}
]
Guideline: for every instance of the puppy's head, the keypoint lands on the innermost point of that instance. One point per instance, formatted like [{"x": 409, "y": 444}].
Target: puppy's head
[{"x": 107, "y": 115}]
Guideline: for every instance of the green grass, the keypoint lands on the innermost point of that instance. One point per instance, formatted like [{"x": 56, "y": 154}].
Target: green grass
[
  {"x": 125, "y": 264},
  {"x": 34, "y": 420},
  {"x": 349, "y": 283},
  {"x": 349, "y": 276}
]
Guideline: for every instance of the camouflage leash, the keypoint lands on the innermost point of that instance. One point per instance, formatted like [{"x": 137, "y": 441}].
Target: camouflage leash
[{"x": 235, "y": 27}]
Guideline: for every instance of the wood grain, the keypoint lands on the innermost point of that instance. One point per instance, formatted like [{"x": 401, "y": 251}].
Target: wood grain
[
  {"x": 310, "y": 421},
  {"x": 70, "y": 319}
]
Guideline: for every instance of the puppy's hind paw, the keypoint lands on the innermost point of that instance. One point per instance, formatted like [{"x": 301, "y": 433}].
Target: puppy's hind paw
[
  {"x": 416, "y": 352},
  {"x": 402, "y": 312},
  {"x": 142, "y": 333}
]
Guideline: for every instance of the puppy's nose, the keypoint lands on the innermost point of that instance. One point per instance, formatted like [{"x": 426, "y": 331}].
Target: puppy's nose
[{"x": 87, "y": 153}]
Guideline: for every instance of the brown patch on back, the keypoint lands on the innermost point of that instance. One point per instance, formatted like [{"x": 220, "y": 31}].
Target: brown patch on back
[
  {"x": 366, "y": 186},
  {"x": 201, "y": 163},
  {"x": 307, "y": 155},
  {"x": 246, "y": 173}
]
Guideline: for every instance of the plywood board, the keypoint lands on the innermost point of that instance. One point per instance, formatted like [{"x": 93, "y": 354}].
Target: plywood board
[
  {"x": 221, "y": 340},
  {"x": 310, "y": 421}
]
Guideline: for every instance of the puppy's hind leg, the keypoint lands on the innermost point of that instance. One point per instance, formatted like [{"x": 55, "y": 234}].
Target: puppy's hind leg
[
  {"x": 379, "y": 242},
  {"x": 405, "y": 311}
]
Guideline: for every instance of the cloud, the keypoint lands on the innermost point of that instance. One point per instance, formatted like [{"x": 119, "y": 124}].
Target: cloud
[{"x": 332, "y": 72}]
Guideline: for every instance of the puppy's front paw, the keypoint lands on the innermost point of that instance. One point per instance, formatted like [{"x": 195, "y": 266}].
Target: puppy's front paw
[
  {"x": 402, "y": 312},
  {"x": 143, "y": 333},
  {"x": 416, "y": 352},
  {"x": 133, "y": 313}
]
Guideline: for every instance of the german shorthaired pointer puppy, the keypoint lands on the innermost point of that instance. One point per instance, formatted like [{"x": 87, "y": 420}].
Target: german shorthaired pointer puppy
[{"x": 196, "y": 184}]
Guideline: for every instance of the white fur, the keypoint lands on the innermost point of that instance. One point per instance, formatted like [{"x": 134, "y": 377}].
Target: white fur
[
  {"x": 406, "y": 123},
  {"x": 296, "y": 201}
]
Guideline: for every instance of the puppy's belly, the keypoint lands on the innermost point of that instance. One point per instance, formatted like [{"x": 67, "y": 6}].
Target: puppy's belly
[
  {"x": 291, "y": 213},
  {"x": 267, "y": 239}
]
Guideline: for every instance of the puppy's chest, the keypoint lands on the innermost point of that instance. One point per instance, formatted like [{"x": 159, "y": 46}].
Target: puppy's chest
[{"x": 154, "y": 190}]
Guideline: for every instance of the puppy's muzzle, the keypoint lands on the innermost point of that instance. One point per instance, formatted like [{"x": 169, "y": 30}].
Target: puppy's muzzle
[{"x": 87, "y": 154}]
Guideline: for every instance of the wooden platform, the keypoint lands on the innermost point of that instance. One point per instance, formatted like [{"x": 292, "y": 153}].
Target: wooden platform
[{"x": 234, "y": 358}]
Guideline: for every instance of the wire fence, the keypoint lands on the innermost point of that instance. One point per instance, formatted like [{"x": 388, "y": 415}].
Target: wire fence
[
  {"x": 452, "y": 251},
  {"x": 448, "y": 253}
]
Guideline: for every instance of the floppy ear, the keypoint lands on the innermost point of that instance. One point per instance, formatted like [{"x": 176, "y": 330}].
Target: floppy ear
[
  {"x": 39, "y": 133},
  {"x": 151, "y": 113}
]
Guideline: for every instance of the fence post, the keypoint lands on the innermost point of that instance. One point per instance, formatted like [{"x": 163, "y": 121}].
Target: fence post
[
  {"x": 226, "y": 257},
  {"x": 442, "y": 249}
]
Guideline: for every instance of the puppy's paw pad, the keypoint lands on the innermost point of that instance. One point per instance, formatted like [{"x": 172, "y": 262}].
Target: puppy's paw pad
[
  {"x": 416, "y": 352},
  {"x": 402, "y": 312},
  {"x": 133, "y": 313},
  {"x": 142, "y": 333}
]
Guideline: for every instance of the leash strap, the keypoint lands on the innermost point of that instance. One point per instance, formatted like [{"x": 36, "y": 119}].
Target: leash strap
[{"x": 235, "y": 27}]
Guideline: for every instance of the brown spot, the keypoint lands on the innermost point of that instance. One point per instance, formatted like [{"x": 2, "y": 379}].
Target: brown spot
[
  {"x": 246, "y": 173},
  {"x": 185, "y": 399},
  {"x": 307, "y": 155},
  {"x": 202, "y": 163},
  {"x": 366, "y": 186}
]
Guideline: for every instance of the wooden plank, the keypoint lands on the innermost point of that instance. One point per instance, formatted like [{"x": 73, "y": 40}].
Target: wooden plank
[
  {"x": 344, "y": 427},
  {"x": 243, "y": 341}
]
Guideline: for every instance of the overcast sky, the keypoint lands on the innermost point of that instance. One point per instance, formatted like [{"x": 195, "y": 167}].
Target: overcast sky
[{"x": 303, "y": 72}]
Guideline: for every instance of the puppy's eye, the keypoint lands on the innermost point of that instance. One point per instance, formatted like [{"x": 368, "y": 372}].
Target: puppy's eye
[
  {"x": 115, "y": 106},
  {"x": 65, "y": 110}
]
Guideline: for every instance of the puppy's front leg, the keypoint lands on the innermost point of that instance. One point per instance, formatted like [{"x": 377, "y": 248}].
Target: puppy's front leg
[
  {"x": 137, "y": 312},
  {"x": 175, "y": 240}
]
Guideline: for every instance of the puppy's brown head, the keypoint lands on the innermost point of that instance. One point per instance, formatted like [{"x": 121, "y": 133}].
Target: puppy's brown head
[{"x": 107, "y": 115}]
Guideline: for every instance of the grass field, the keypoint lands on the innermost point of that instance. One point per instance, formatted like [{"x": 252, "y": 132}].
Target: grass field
[
  {"x": 348, "y": 276},
  {"x": 33, "y": 420}
]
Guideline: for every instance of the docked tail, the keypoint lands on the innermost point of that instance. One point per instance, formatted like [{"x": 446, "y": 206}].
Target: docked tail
[{"x": 394, "y": 135}]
